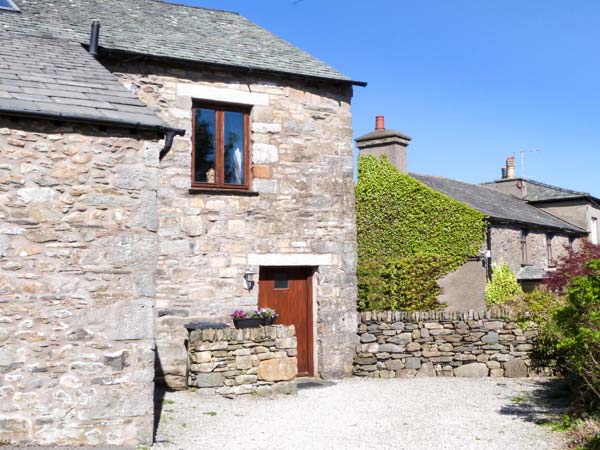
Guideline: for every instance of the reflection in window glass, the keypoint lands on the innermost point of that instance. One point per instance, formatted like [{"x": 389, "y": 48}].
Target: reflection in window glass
[
  {"x": 234, "y": 148},
  {"x": 204, "y": 146},
  {"x": 8, "y": 4},
  {"x": 281, "y": 280}
]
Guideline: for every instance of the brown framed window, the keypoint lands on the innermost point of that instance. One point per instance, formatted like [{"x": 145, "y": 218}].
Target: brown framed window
[
  {"x": 524, "y": 254},
  {"x": 220, "y": 147},
  {"x": 549, "y": 255}
]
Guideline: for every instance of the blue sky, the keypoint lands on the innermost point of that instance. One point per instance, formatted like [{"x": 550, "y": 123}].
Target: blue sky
[{"x": 470, "y": 81}]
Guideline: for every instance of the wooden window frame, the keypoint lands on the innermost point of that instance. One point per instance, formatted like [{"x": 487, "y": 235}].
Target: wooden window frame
[{"x": 220, "y": 109}]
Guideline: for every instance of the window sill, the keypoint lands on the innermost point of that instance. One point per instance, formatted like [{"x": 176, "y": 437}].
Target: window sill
[{"x": 210, "y": 191}]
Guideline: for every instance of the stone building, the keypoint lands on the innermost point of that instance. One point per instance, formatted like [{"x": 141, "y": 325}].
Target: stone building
[
  {"x": 78, "y": 248},
  {"x": 578, "y": 208},
  {"x": 525, "y": 237},
  {"x": 105, "y": 252}
]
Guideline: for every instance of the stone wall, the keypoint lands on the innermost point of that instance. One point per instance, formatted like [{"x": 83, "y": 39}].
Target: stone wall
[
  {"x": 399, "y": 344},
  {"x": 78, "y": 249},
  {"x": 303, "y": 204},
  {"x": 230, "y": 362}
]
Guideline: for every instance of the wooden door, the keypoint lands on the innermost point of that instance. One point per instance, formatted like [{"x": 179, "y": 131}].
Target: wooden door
[{"x": 288, "y": 290}]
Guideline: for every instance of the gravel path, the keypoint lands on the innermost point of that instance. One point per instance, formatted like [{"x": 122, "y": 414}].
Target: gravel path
[{"x": 411, "y": 414}]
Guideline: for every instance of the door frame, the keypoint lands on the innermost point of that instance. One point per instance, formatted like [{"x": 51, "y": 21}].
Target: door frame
[{"x": 310, "y": 313}]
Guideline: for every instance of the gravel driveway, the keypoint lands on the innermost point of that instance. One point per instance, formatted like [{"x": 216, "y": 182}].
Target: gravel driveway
[{"x": 415, "y": 414}]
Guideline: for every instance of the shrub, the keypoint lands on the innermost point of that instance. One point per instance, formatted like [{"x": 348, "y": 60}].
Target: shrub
[
  {"x": 573, "y": 264},
  {"x": 408, "y": 284},
  {"x": 536, "y": 306},
  {"x": 578, "y": 337},
  {"x": 401, "y": 221},
  {"x": 502, "y": 287}
]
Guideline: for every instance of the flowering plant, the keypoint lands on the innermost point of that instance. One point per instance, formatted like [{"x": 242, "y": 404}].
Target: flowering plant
[
  {"x": 238, "y": 314},
  {"x": 266, "y": 312}
]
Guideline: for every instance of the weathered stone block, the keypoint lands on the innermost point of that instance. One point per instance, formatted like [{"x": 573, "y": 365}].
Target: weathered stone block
[
  {"x": 281, "y": 369},
  {"x": 474, "y": 370},
  {"x": 515, "y": 368},
  {"x": 208, "y": 380}
]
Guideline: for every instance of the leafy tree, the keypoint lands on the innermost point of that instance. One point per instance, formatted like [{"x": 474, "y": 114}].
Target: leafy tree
[{"x": 572, "y": 265}]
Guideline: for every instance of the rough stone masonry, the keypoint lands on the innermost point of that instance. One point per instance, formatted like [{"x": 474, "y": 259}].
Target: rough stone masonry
[
  {"x": 397, "y": 344},
  {"x": 302, "y": 207},
  {"x": 78, "y": 248}
]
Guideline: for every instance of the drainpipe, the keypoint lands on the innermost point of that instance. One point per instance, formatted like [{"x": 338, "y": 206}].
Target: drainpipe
[
  {"x": 94, "y": 36},
  {"x": 488, "y": 253},
  {"x": 170, "y": 134}
]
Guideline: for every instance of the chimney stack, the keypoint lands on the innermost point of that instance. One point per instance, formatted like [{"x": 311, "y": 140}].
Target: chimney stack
[
  {"x": 391, "y": 143},
  {"x": 510, "y": 167}
]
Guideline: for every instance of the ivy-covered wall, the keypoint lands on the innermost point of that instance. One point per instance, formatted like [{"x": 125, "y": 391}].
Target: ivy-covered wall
[{"x": 408, "y": 237}]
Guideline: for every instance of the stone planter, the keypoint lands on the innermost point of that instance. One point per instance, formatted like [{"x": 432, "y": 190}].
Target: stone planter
[{"x": 254, "y": 322}]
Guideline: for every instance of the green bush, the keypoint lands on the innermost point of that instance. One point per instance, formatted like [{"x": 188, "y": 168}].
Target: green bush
[
  {"x": 536, "y": 307},
  {"x": 408, "y": 284},
  {"x": 401, "y": 221},
  {"x": 503, "y": 286},
  {"x": 578, "y": 334}
]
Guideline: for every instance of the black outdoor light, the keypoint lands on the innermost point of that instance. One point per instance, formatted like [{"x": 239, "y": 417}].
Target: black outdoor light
[{"x": 249, "y": 278}]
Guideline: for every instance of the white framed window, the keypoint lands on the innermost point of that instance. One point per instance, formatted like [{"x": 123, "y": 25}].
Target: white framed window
[{"x": 594, "y": 230}]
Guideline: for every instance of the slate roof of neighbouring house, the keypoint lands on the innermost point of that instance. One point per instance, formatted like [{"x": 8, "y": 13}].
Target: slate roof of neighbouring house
[
  {"x": 496, "y": 205},
  {"x": 54, "y": 78},
  {"x": 542, "y": 192},
  {"x": 537, "y": 191},
  {"x": 160, "y": 29}
]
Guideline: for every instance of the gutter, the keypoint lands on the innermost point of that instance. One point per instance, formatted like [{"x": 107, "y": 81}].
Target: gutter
[
  {"x": 572, "y": 231},
  {"x": 168, "y": 132},
  {"x": 248, "y": 69}
]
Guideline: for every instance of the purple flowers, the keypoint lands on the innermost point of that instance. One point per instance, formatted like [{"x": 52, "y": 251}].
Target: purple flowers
[
  {"x": 261, "y": 313},
  {"x": 238, "y": 314}
]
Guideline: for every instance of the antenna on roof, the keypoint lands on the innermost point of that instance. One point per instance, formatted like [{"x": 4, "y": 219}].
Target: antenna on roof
[{"x": 522, "y": 153}]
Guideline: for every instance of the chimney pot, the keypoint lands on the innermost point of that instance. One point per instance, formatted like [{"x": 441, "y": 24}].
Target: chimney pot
[{"x": 379, "y": 123}]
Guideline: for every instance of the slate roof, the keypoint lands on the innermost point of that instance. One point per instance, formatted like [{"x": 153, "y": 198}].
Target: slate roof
[
  {"x": 542, "y": 192},
  {"x": 537, "y": 191},
  {"x": 161, "y": 29},
  {"x": 496, "y": 205},
  {"x": 59, "y": 79}
]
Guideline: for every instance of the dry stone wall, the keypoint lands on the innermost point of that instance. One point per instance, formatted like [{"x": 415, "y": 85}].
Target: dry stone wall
[
  {"x": 302, "y": 204},
  {"x": 260, "y": 361},
  {"x": 78, "y": 249},
  {"x": 396, "y": 344}
]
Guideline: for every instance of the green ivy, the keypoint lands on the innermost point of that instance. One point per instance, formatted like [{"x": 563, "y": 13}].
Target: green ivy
[
  {"x": 503, "y": 286},
  {"x": 408, "y": 235}
]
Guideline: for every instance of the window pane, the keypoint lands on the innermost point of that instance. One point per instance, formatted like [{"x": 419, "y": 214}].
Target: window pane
[
  {"x": 234, "y": 148},
  {"x": 8, "y": 4},
  {"x": 204, "y": 147},
  {"x": 281, "y": 280}
]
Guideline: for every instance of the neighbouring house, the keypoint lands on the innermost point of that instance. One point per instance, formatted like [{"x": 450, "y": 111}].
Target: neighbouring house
[
  {"x": 578, "y": 208},
  {"x": 525, "y": 237},
  {"x": 111, "y": 241}
]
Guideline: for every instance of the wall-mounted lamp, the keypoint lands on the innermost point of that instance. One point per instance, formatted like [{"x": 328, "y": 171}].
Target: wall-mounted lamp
[{"x": 249, "y": 278}]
